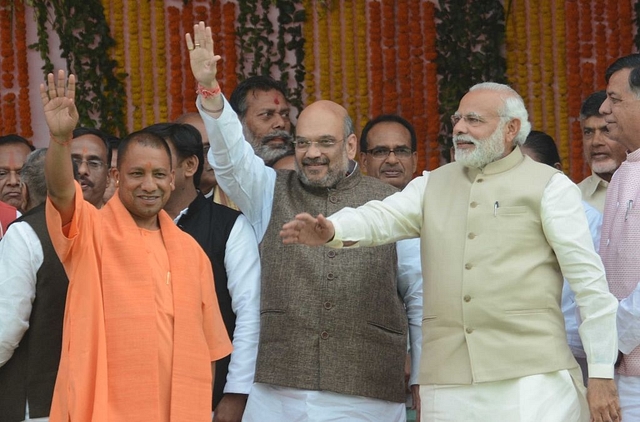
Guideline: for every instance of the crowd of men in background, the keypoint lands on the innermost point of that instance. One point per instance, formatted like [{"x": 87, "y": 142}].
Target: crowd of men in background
[{"x": 128, "y": 266}]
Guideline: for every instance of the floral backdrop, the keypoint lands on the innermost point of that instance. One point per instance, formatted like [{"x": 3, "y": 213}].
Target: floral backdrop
[{"x": 415, "y": 58}]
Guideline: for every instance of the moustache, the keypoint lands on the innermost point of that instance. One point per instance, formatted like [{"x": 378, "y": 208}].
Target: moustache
[
  {"x": 86, "y": 181},
  {"x": 282, "y": 134},
  {"x": 465, "y": 138},
  {"x": 314, "y": 161}
]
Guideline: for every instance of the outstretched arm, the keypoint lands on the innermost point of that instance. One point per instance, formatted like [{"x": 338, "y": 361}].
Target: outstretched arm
[
  {"x": 61, "y": 116},
  {"x": 203, "y": 65},
  {"x": 307, "y": 230}
]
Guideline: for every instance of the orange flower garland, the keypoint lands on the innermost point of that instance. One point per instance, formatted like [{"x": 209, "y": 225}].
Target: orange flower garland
[
  {"x": 375, "y": 58},
  {"x": 24, "y": 107},
  {"x": 361, "y": 50},
  {"x": 390, "y": 104},
  {"x": 522, "y": 75},
  {"x": 613, "y": 43},
  {"x": 548, "y": 70},
  {"x": 175, "y": 63},
  {"x": 231, "y": 57},
  {"x": 309, "y": 54},
  {"x": 335, "y": 44},
  {"x": 432, "y": 113},
  {"x": 574, "y": 98},
  {"x": 135, "y": 76},
  {"x": 535, "y": 42},
  {"x": 189, "y": 103},
  {"x": 626, "y": 27},
  {"x": 560, "y": 43},
  {"x": 148, "y": 90},
  {"x": 416, "y": 95},
  {"x": 8, "y": 69},
  {"x": 404, "y": 54},
  {"x": 161, "y": 60},
  {"x": 351, "y": 90},
  {"x": 323, "y": 54},
  {"x": 602, "y": 60}
]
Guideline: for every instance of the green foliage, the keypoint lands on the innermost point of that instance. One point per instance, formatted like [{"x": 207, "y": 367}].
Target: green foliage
[
  {"x": 256, "y": 33},
  {"x": 85, "y": 41},
  {"x": 469, "y": 43}
]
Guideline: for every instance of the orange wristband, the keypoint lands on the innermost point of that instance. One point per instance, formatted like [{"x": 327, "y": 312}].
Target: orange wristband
[{"x": 208, "y": 93}]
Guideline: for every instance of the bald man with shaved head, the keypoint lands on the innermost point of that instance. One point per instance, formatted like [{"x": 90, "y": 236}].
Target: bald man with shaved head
[{"x": 333, "y": 326}]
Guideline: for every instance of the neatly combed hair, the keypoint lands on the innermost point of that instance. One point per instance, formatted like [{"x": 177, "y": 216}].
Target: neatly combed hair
[
  {"x": 394, "y": 118},
  {"x": 632, "y": 61},
  {"x": 513, "y": 108},
  {"x": 14, "y": 139},
  {"x": 32, "y": 175},
  {"x": 591, "y": 106},
  {"x": 238, "y": 99},
  {"x": 544, "y": 147},
  {"x": 186, "y": 140},
  {"x": 105, "y": 137},
  {"x": 143, "y": 138}
]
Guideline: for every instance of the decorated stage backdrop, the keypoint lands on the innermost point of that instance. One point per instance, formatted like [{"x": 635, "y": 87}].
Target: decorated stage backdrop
[{"x": 415, "y": 58}]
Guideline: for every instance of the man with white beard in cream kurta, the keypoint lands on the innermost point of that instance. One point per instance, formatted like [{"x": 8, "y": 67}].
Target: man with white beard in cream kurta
[{"x": 497, "y": 232}]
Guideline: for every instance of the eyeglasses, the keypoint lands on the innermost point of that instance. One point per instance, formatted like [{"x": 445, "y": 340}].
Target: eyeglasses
[
  {"x": 303, "y": 144},
  {"x": 383, "y": 152},
  {"x": 4, "y": 173},
  {"x": 472, "y": 119},
  {"x": 91, "y": 164}
]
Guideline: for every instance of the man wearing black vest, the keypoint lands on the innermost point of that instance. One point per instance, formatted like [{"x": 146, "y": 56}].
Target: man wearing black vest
[
  {"x": 333, "y": 326},
  {"x": 229, "y": 242},
  {"x": 34, "y": 285}
]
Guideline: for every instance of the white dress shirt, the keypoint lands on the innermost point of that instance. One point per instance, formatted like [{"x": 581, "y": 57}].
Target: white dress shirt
[
  {"x": 242, "y": 263},
  {"x": 250, "y": 185},
  {"x": 400, "y": 216},
  {"x": 20, "y": 259}
]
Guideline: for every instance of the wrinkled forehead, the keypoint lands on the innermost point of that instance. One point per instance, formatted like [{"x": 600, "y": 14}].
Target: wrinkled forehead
[
  {"x": 481, "y": 102},
  {"x": 13, "y": 156}
]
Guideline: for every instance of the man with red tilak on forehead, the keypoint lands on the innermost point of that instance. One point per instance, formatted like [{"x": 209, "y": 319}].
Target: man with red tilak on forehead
[{"x": 142, "y": 324}]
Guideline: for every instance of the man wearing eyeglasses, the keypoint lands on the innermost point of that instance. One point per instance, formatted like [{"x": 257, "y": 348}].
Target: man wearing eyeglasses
[
  {"x": 91, "y": 153},
  {"x": 388, "y": 148},
  {"x": 497, "y": 233},
  {"x": 333, "y": 326}
]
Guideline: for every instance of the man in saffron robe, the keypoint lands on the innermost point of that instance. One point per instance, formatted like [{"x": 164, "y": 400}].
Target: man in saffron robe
[{"x": 142, "y": 323}]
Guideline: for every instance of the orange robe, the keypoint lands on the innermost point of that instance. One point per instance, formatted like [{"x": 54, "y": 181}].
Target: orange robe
[{"x": 109, "y": 364}]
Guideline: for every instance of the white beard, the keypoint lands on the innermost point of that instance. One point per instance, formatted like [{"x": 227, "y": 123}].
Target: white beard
[{"x": 486, "y": 150}]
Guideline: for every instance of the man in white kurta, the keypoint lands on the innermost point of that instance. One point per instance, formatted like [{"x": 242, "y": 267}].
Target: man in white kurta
[{"x": 497, "y": 231}]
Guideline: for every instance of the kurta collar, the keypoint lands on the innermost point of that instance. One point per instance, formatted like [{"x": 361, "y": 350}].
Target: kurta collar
[
  {"x": 514, "y": 158},
  {"x": 634, "y": 156},
  {"x": 591, "y": 184}
]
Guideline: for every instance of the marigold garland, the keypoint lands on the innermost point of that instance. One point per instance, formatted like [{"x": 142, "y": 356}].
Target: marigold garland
[
  {"x": 335, "y": 50},
  {"x": 148, "y": 75},
  {"x": 417, "y": 94},
  {"x": 8, "y": 69},
  {"x": 230, "y": 62},
  {"x": 135, "y": 74},
  {"x": 161, "y": 60},
  {"x": 522, "y": 75},
  {"x": 351, "y": 86},
  {"x": 626, "y": 27},
  {"x": 573, "y": 84},
  {"x": 613, "y": 43},
  {"x": 375, "y": 58},
  {"x": 323, "y": 54},
  {"x": 432, "y": 114},
  {"x": 559, "y": 52},
  {"x": 189, "y": 102},
  {"x": 361, "y": 51},
  {"x": 308, "y": 31},
  {"x": 549, "y": 70},
  {"x": 402, "y": 61},
  {"x": 535, "y": 42},
  {"x": 602, "y": 60},
  {"x": 24, "y": 107},
  {"x": 175, "y": 63},
  {"x": 389, "y": 85}
]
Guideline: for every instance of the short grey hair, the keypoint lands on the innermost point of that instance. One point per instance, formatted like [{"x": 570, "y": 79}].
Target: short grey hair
[
  {"x": 349, "y": 128},
  {"x": 513, "y": 108},
  {"x": 32, "y": 175}
]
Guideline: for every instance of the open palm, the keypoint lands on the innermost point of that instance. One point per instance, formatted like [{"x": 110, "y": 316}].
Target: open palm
[
  {"x": 201, "y": 54},
  {"x": 60, "y": 110}
]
